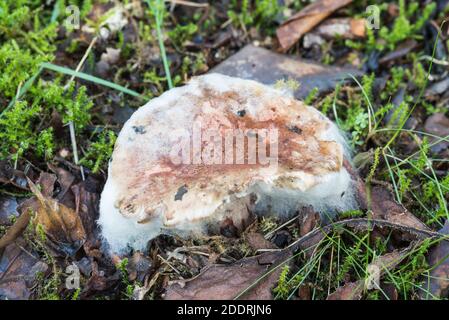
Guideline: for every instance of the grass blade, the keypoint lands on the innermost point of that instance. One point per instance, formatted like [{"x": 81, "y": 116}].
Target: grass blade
[{"x": 88, "y": 77}]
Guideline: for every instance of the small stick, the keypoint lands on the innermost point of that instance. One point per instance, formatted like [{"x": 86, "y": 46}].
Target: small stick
[{"x": 189, "y": 3}]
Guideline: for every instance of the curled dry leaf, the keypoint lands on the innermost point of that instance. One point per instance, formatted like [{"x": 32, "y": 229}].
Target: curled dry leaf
[
  {"x": 305, "y": 20},
  {"x": 46, "y": 182},
  {"x": 249, "y": 278},
  {"x": 62, "y": 225}
]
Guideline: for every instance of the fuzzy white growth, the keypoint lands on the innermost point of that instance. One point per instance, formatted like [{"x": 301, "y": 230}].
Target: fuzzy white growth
[{"x": 141, "y": 197}]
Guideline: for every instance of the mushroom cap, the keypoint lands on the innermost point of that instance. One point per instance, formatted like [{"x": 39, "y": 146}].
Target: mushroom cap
[{"x": 170, "y": 173}]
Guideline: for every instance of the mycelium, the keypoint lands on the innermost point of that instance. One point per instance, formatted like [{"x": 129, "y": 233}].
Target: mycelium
[{"x": 214, "y": 150}]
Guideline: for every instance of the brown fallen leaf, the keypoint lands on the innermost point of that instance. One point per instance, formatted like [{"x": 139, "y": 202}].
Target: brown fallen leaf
[
  {"x": 138, "y": 267},
  {"x": 309, "y": 219},
  {"x": 375, "y": 270},
  {"x": 18, "y": 272},
  {"x": 304, "y": 292},
  {"x": 342, "y": 28},
  {"x": 437, "y": 283},
  {"x": 249, "y": 278},
  {"x": 98, "y": 282},
  {"x": 6, "y": 171},
  {"x": 305, "y": 20},
  {"x": 10, "y": 176},
  {"x": 390, "y": 260},
  {"x": 438, "y": 125},
  {"x": 350, "y": 291},
  {"x": 8, "y": 209},
  {"x": 258, "y": 242},
  {"x": 65, "y": 180},
  {"x": 46, "y": 182},
  {"x": 384, "y": 207},
  {"x": 87, "y": 197},
  {"x": 390, "y": 291},
  {"x": 15, "y": 230},
  {"x": 382, "y": 264},
  {"x": 62, "y": 225},
  {"x": 401, "y": 51}
]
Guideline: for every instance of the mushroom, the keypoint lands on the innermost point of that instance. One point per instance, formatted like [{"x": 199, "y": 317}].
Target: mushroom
[{"x": 216, "y": 150}]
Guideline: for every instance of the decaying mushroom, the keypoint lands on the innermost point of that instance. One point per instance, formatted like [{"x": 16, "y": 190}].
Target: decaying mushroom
[{"x": 214, "y": 150}]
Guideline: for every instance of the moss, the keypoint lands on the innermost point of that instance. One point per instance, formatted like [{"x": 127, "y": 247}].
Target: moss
[
  {"x": 259, "y": 13},
  {"x": 181, "y": 33},
  {"x": 407, "y": 25},
  {"x": 17, "y": 66},
  {"x": 16, "y": 131},
  {"x": 99, "y": 151}
]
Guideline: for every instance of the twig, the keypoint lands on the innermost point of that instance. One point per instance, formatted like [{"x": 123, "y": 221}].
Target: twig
[
  {"x": 367, "y": 223},
  {"x": 189, "y": 3}
]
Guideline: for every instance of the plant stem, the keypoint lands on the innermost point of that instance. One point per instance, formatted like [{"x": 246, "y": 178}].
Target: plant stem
[{"x": 158, "y": 11}]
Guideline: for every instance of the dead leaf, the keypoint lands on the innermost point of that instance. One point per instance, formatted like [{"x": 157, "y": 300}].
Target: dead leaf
[
  {"x": 15, "y": 230},
  {"x": 309, "y": 220},
  {"x": 138, "y": 267},
  {"x": 438, "y": 124},
  {"x": 390, "y": 291},
  {"x": 258, "y": 242},
  {"x": 62, "y": 225},
  {"x": 382, "y": 264},
  {"x": 437, "y": 283},
  {"x": 8, "y": 208},
  {"x": 6, "y": 171},
  {"x": 16, "y": 178},
  {"x": 99, "y": 282},
  {"x": 401, "y": 51},
  {"x": 390, "y": 260},
  {"x": 384, "y": 207},
  {"x": 350, "y": 291},
  {"x": 18, "y": 270},
  {"x": 304, "y": 292},
  {"x": 65, "y": 181},
  {"x": 46, "y": 182},
  {"x": 229, "y": 281},
  {"x": 343, "y": 28},
  {"x": 87, "y": 199},
  {"x": 305, "y": 20}
]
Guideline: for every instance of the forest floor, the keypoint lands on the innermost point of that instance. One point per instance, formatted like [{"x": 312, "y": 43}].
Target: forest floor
[{"x": 73, "y": 71}]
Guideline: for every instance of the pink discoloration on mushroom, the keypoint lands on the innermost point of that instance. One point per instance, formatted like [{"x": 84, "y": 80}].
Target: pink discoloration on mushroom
[{"x": 147, "y": 193}]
